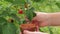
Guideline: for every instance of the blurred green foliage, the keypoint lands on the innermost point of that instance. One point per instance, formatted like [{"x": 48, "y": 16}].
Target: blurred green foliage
[{"x": 9, "y": 9}]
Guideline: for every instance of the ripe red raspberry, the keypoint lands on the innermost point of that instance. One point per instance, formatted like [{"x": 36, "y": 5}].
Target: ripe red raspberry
[{"x": 20, "y": 11}]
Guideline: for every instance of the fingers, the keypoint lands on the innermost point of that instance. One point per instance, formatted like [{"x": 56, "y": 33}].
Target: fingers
[
  {"x": 39, "y": 21},
  {"x": 28, "y": 32},
  {"x": 36, "y": 21}
]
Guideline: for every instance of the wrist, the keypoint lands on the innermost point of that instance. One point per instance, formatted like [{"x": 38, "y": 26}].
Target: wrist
[{"x": 50, "y": 21}]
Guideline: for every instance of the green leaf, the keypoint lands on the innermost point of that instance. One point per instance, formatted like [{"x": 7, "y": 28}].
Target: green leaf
[
  {"x": 58, "y": 4},
  {"x": 37, "y": 0},
  {"x": 0, "y": 29},
  {"x": 50, "y": 30},
  {"x": 15, "y": 17},
  {"x": 30, "y": 13},
  {"x": 2, "y": 21},
  {"x": 9, "y": 28},
  {"x": 16, "y": 2}
]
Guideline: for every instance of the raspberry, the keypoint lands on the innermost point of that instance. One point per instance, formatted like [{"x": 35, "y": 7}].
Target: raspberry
[{"x": 20, "y": 11}]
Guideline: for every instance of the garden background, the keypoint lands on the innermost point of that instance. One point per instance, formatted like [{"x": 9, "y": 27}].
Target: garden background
[{"x": 9, "y": 10}]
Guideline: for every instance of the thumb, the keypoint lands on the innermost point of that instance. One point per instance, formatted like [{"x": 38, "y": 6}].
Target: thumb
[{"x": 28, "y": 32}]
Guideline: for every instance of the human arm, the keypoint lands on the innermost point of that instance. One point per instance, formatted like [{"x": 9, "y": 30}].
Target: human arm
[{"x": 47, "y": 19}]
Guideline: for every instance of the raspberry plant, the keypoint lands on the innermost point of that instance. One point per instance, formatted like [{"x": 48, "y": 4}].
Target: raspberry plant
[{"x": 12, "y": 15}]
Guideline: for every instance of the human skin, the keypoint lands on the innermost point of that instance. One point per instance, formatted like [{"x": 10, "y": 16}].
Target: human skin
[
  {"x": 28, "y": 32},
  {"x": 45, "y": 19}
]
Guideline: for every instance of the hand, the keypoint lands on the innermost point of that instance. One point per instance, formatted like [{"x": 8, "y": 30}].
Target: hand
[
  {"x": 41, "y": 19},
  {"x": 28, "y": 32}
]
